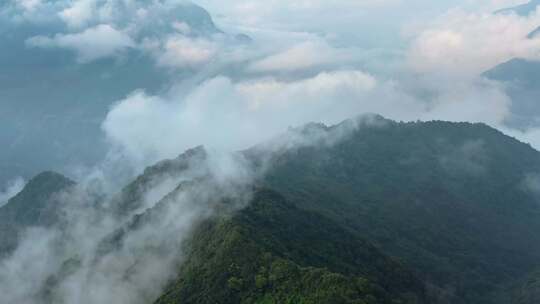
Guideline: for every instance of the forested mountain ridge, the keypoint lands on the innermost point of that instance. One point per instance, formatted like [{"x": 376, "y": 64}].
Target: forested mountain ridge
[
  {"x": 367, "y": 211},
  {"x": 273, "y": 252},
  {"x": 453, "y": 200},
  {"x": 38, "y": 205}
]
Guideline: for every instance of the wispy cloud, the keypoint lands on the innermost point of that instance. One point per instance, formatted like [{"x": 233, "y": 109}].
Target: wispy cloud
[
  {"x": 98, "y": 42},
  {"x": 11, "y": 189}
]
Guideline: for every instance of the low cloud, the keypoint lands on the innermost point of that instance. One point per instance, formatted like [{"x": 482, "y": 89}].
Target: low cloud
[
  {"x": 467, "y": 44},
  {"x": 531, "y": 183},
  {"x": 12, "y": 188},
  {"x": 95, "y": 255},
  {"x": 305, "y": 55},
  {"x": 29, "y": 5},
  {"x": 471, "y": 157},
  {"x": 183, "y": 52},
  {"x": 230, "y": 115},
  {"x": 78, "y": 13},
  {"x": 101, "y": 41}
]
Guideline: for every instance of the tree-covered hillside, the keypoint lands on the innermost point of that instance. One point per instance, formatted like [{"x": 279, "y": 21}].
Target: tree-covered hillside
[
  {"x": 367, "y": 211},
  {"x": 456, "y": 201},
  {"x": 273, "y": 252}
]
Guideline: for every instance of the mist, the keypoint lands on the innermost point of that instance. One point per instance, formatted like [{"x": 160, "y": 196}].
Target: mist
[
  {"x": 237, "y": 76},
  {"x": 13, "y": 187},
  {"x": 108, "y": 247},
  {"x": 95, "y": 255},
  {"x": 424, "y": 61}
]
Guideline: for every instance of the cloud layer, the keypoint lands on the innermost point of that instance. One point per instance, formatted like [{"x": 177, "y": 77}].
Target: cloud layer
[
  {"x": 101, "y": 41},
  {"x": 12, "y": 188},
  {"x": 471, "y": 43}
]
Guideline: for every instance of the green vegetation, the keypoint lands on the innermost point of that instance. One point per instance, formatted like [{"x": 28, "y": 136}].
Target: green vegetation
[
  {"x": 449, "y": 199},
  {"x": 273, "y": 252},
  {"x": 397, "y": 213}
]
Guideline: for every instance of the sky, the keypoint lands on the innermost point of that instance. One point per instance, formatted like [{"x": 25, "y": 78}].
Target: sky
[
  {"x": 198, "y": 82},
  {"x": 326, "y": 61}
]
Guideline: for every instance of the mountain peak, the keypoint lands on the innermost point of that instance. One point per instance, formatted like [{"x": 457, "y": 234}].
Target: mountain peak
[
  {"x": 198, "y": 151},
  {"x": 522, "y": 10},
  {"x": 50, "y": 175},
  {"x": 534, "y": 33},
  {"x": 36, "y": 205},
  {"x": 45, "y": 183}
]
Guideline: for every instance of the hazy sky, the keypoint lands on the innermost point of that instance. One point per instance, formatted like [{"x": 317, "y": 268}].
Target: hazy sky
[{"x": 309, "y": 60}]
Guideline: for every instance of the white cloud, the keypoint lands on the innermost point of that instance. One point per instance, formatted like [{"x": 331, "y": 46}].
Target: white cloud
[
  {"x": 304, "y": 55},
  {"x": 143, "y": 260},
  {"x": 471, "y": 43},
  {"x": 475, "y": 100},
  {"x": 12, "y": 188},
  {"x": 93, "y": 43},
  {"x": 255, "y": 13},
  {"x": 180, "y": 51},
  {"x": 29, "y": 5},
  {"x": 227, "y": 115},
  {"x": 182, "y": 27},
  {"x": 79, "y": 13}
]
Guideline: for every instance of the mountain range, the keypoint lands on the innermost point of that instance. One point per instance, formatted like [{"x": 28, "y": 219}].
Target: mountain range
[
  {"x": 366, "y": 211},
  {"x": 520, "y": 77},
  {"x": 65, "y": 123},
  {"x": 522, "y": 9}
]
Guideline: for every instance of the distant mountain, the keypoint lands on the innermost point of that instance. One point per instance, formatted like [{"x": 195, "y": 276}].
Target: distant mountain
[
  {"x": 37, "y": 205},
  {"x": 57, "y": 108},
  {"x": 522, "y": 10},
  {"x": 522, "y": 80},
  {"x": 131, "y": 198},
  {"x": 520, "y": 77},
  {"x": 534, "y": 34}
]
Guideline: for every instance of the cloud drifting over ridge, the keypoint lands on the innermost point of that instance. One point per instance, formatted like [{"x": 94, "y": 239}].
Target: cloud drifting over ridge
[
  {"x": 228, "y": 115},
  {"x": 240, "y": 94},
  {"x": 93, "y": 43},
  {"x": 287, "y": 55},
  {"x": 13, "y": 187},
  {"x": 225, "y": 114},
  {"x": 94, "y": 255},
  {"x": 178, "y": 33},
  {"x": 304, "y": 55},
  {"x": 471, "y": 43}
]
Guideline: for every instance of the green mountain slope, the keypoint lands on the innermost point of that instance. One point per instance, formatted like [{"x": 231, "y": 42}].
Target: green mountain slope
[
  {"x": 133, "y": 195},
  {"x": 447, "y": 198},
  {"x": 273, "y": 252},
  {"x": 367, "y": 211}
]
